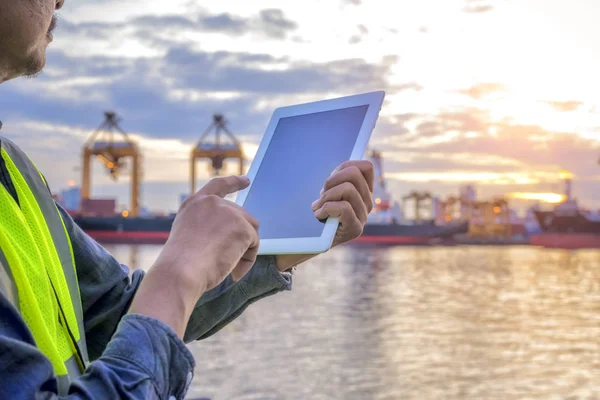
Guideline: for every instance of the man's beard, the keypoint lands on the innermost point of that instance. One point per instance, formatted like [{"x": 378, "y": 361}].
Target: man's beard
[{"x": 34, "y": 68}]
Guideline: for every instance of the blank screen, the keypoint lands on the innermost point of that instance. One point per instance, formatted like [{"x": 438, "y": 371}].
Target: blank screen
[{"x": 303, "y": 152}]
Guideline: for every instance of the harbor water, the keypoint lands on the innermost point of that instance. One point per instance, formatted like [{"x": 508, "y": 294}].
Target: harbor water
[{"x": 412, "y": 323}]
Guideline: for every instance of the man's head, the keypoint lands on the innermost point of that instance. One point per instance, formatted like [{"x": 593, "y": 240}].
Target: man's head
[{"x": 25, "y": 27}]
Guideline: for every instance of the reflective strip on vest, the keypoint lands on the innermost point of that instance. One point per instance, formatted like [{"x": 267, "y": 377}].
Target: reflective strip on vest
[
  {"x": 60, "y": 240},
  {"x": 7, "y": 283},
  {"x": 64, "y": 381},
  {"x": 57, "y": 227}
]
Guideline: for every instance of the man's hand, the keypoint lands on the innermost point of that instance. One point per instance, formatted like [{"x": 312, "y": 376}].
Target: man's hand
[
  {"x": 347, "y": 194},
  {"x": 213, "y": 236},
  {"x": 210, "y": 239}
]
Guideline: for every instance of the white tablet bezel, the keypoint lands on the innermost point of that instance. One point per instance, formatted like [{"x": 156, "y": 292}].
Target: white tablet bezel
[{"x": 313, "y": 245}]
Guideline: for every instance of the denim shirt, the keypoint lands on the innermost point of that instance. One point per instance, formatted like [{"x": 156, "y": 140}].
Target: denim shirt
[{"x": 132, "y": 356}]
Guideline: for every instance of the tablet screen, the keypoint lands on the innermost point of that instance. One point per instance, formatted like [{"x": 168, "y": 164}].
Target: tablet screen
[{"x": 303, "y": 152}]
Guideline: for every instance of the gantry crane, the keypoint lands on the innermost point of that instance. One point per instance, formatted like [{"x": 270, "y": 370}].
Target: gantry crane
[
  {"x": 486, "y": 218},
  {"x": 375, "y": 157},
  {"x": 419, "y": 198},
  {"x": 490, "y": 218},
  {"x": 110, "y": 144},
  {"x": 381, "y": 197},
  {"x": 217, "y": 151},
  {"x": 452, "y": 208}
]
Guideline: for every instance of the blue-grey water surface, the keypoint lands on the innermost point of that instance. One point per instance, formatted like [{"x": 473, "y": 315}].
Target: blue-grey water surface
[{"x": 412, "y": 323}]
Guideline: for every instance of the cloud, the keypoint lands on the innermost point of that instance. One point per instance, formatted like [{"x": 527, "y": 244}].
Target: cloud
[
  {"x": 358, "y": 37},
  {"x": 516, "y": 158},
  {"x": 270, "y": 23},
  {"x": 354, "y": 39},
  {"x": 187, "y": 68},
  {"x": 481, "y": 90},
  {"x": 477, "y": 6},
  {"x": 274, "y": 23},
  {"x": 225, "y": 23},
  {"x": 565, "y": 105},
  {"x": 447, "y": 125},
  {"x": 169, "y": 87},
  {"x": 471, "y": 130},
  {"x": 175, "y": 95},
  {"x": 466, "y": 145}
]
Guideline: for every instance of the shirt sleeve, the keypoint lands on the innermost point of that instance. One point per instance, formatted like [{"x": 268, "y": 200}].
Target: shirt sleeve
[
  {"x": 107, "y": 291},
  {"x": 144, "y": 360}
]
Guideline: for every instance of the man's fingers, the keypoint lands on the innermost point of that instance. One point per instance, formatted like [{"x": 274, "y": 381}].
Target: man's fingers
[
  {"x": 223, "y": 186},
  {"x": 353, "y": 175},
  {"x": 251, "y": 220},
  {"x": 342, "y": 209},
  {"x": 247, "y": 260},
  {"x": 346, "y": 191},
  {"x": 245, "y": 264},
  {"x": 365, "y": 167}
]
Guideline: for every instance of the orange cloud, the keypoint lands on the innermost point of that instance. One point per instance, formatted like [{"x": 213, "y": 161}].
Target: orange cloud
[
  {"x": 467, "y": 145},
  {"x": 564, "y": 105},
  {"x": 483, "y": 89},
  {"x": 476, "y": 6}
]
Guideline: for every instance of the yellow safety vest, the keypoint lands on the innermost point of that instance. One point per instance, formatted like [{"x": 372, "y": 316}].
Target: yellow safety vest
[{"x": 37, "y": 268}]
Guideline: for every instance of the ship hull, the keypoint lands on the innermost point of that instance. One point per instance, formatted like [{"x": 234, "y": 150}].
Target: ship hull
[
  {"x": 564, "y": 230},
  {"x": 118, "y": 229},
  {"x": 156, "y": 231},
  {"x": 398, "y": 234},
  {"x": 570, "y": 241},
  {"x": 574, "y": 222},
  {"x": 136, "y": 237}
]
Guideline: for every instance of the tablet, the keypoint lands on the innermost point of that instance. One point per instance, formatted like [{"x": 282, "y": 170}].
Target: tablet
[{"x": 301, "y": 147}]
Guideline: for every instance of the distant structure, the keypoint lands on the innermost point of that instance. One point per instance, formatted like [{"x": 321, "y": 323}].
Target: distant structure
[
  {"x": 423, "y": 203},
  {"x": 381, "y": 196},
  {"x": 110, "y": 144},
  {"x": 71, "y": 198},
  {"x": 385, "y": 211},
  {"x": 376, "y": 159},
  {"x": 567, "y": 178},
  {"x": 487, "y": 218},
  {"x": 224, "y": 145}
]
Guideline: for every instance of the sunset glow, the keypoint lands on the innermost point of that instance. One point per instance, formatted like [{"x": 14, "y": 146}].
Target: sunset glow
[
  {"x": 552, "y": 198},
  {"x": 468, "y": 101}
]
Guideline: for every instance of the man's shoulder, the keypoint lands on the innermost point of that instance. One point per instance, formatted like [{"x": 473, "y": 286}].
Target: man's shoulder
[
  {"x": 6, "y": 142},
  {"x": 13, "y": 149}
]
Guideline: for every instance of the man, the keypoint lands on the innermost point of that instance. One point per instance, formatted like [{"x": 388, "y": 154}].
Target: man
[{"x": 72, "y": 323}]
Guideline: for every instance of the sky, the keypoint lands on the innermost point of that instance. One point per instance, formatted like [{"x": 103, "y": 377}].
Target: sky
[{"x": 500, "y": 94}]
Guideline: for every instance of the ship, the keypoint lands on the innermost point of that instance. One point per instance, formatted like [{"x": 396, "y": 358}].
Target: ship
[
  {"x": 385, "y": 224},
  {"x": 567, "y": 226},
  {"x": 155, "y": 230}
]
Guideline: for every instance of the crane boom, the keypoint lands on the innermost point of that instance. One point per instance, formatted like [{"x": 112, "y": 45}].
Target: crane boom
[{"x": 111, "y": 145}]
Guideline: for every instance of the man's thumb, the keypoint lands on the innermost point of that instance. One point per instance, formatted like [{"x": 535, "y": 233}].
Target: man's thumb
[{"x": 223, "y": 186}]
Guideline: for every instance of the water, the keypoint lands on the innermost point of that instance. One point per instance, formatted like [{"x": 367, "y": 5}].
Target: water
[{"x": 413, "y": 323}]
